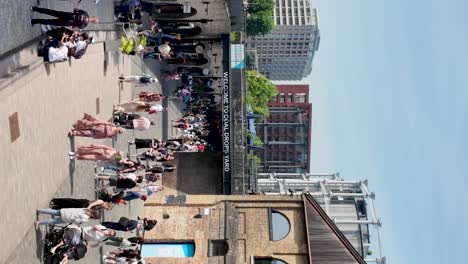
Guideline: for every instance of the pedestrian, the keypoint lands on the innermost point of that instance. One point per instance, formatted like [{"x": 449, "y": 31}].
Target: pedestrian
[
  {"x": 100, "y": 153},
  {"x": 145, "y": 143},
  {"x": 139, "y": 123},
  {"x": 123, "y": 166},
  {"x": 132, "y": 195},
  {"x": 125, "y": 242},
  {"x": 148, "y": 224},
  {"x": 160, "y": 168},
  {"x": 90, "y": 126},
  {"x": 124, "y": 224},
  {"x": 139, "y": 106},
  {"x": 60, "y": 203},
  {"x": 160, "y": 52},
  {"x": 55, "y": 50},
  {"x": 97, "y": 233},
  {"x": 67, "y": 215},
  {"x": 140, "y": 79},
  {"x": 171, "y": 76},
  {"x": 150, "y": 97},
  {"x": 120, "y": 181},
  {"x": 78, "y": 19}
]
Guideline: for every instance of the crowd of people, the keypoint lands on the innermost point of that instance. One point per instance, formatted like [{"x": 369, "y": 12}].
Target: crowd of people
[{"x": 122, "y": 177}]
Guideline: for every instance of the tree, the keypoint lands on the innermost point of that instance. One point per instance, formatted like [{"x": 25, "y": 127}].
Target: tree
[
  {"x": 256, "y": 6},
  {"x": 259, "y": 92},
  {"x": 260, "y": 23}
]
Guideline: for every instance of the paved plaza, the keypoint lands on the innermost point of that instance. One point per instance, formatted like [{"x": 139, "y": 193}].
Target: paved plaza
[{"x": 47, "y": 100}]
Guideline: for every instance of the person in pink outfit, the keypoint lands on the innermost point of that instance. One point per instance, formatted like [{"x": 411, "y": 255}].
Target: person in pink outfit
[
  {"x": 90, "y": 126},
  {"x": 171, "y": 76},
  {"x": 150, "y": 97},
  {"x": 100, "y": 153}
]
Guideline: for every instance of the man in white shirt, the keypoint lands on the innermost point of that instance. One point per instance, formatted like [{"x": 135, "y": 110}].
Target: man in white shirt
[
  {"x": 56, "y": 51},
  {"x": 97, "y": 233}
]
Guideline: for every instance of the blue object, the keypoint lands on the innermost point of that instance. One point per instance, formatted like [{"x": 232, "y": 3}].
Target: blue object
[
  {"x": 253, "y": 133},
  {"x": 168, "y": 250}
]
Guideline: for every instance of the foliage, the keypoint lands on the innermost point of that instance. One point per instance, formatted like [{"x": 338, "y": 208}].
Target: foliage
[
  {"x": 257, "y": 161},
  {"x": 257, "y": 142},
  {"x": 236, "y": 37},
  {"x": 256, "y": 6},
  {"x": 259, "y": 92},
  {"x": 260, "y": 23}
]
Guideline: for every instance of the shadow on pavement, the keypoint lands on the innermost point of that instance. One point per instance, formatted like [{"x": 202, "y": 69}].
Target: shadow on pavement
[
  {"x": 39, "y": 245},
  {"x": 71, "y": 165},
  {"x": 47, "y": 68},
  {"x": 105, "y": 62}
]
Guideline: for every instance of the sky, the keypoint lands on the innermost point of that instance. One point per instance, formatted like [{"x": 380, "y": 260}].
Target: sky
[{"x": 389, "y": 92}]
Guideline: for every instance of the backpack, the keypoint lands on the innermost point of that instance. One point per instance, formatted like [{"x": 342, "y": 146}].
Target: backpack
[
  {"x": 80, "y": 53},
  {"x": 79, "y": 251}
]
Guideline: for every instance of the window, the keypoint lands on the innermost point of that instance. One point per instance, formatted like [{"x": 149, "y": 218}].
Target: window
[
  {"x": 300, "y": 98},
  {"x": 217, "y": 247},
  {"x": 268, "y": 261},
  {"x": 279, "y": 226},
  {"x": 281, "y": 98}
]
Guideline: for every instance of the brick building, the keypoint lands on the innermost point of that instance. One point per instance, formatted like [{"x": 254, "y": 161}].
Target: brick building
[
  {"x": 255, "y": 229},
  {"x": 286, "y": 132}
]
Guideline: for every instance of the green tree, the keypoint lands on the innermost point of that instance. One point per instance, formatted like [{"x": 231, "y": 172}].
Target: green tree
[
  {"x": 259, "y": 92},
  {"x": 256, "y": 6},
  {"x": 260, "y": 23}
]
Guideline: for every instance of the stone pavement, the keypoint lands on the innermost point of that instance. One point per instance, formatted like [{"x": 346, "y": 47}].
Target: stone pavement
[{"x": 48, "y": 100}]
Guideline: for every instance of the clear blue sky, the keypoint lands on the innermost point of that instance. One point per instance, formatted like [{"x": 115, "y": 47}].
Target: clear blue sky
[{"x": 390, "y": 97}]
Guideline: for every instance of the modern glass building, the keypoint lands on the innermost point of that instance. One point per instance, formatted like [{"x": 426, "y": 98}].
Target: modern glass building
[{"x": 288, "y": 51}]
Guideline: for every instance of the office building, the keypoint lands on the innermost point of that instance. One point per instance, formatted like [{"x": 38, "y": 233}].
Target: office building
[{"x": 287, "y": 52}]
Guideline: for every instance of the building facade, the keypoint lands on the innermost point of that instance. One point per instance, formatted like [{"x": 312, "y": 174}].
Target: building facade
[
  {"x": 287, "y": 52},
  {"x": 286, "y": 132},
  {"x": 254, "y": 229},
  {"x": 349, "y": 204}
]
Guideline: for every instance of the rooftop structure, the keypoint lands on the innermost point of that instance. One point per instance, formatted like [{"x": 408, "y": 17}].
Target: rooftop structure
[{"x": 348, "y": 203}]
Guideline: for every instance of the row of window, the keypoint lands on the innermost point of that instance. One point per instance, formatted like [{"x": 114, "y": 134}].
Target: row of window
[{"x": 289, "y": 98}]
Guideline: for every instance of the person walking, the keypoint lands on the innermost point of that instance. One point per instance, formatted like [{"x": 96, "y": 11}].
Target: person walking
[
  {"x": 60, "y": 203},
  {"x": 124, "y": 224},
  {"x": 150, "y": 97},
  {"x": 90, "y": 126},
  {"x": 139, "y": 123},
  {"x": 78, "y": 19},
  {"x": 100, "y": 153},
  {"x": 140, "y": 79},
  {"x": 67, "y": 215},
  {"x": 139, "y": 106},
  {"x": 146, "y": 143}
]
